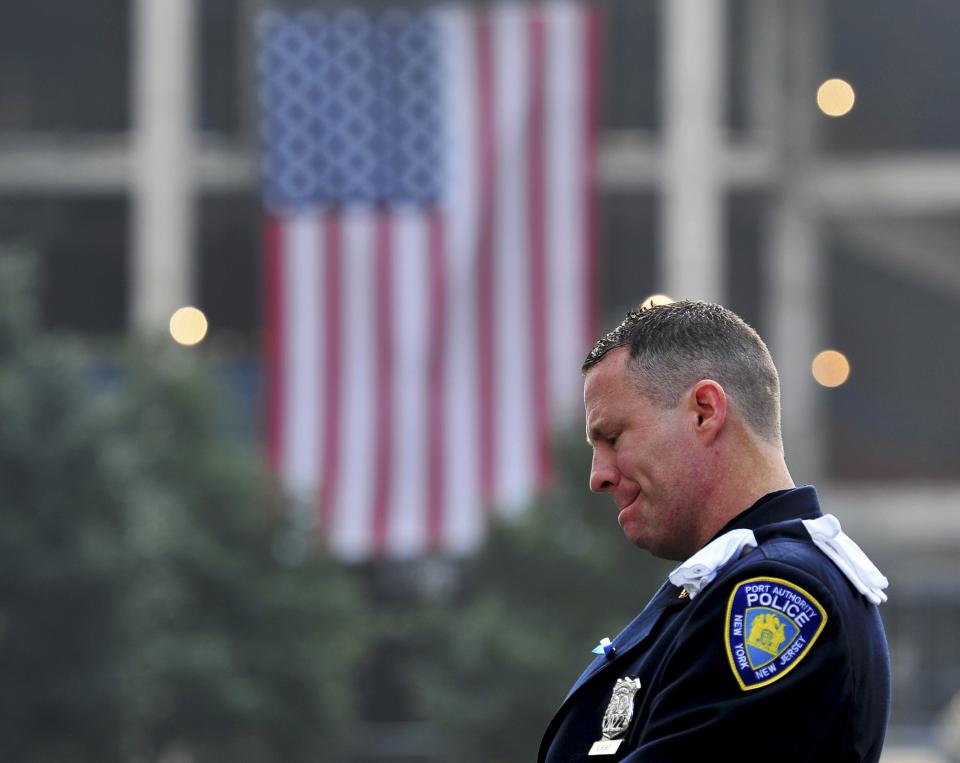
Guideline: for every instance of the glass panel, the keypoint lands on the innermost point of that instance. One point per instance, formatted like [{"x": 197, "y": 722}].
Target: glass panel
[
  {"x": 64, "y": 66},
  {"x": 627, "y": 253},
  {"x": 81, "y": 245},
  {"x": 746, "y": 244},
  {"x": 219, "y": 61},
  {"x": 228, "y": 260},
  {"x": 894, "y": 316},
  {"x": 901, "y": 59},
  {"x": 630, "y": 41}
]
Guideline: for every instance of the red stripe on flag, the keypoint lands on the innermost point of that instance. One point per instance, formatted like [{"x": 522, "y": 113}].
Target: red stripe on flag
[
  {"x": 591, "y": 31},
  {"x": 486, "y": 163},
  {"x": 273, "y": 338},
  {"x": 332, "y": 328},
  {"x": 436, "y": 390},
  {"x": 536, "y": 171},
  {"x": 382, "y": 434}
]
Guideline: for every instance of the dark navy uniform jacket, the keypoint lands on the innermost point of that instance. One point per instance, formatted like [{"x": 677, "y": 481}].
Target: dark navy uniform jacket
[{"x": 832, "y": 704}]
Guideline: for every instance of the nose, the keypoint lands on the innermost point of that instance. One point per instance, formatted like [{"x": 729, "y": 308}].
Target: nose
[{"x": 603, "y": 473}]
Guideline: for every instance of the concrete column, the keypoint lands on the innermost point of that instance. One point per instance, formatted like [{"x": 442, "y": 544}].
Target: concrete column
[
  {"x": 796, "y": 294},
  {"x": 161, "y": 239},
  {"x": 693, "y": 89}
]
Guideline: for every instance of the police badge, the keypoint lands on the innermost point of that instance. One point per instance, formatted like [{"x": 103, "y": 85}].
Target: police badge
[{"x": 617, "y": 717}]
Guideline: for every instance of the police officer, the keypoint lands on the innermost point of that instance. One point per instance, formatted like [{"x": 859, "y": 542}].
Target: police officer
[{"x": 765, "y": 642}]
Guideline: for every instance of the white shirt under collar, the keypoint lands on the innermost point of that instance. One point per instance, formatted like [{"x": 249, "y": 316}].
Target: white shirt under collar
[{"x": 701, "y": 568}]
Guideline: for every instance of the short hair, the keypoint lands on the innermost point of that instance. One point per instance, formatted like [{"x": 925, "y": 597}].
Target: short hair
[{"x": 675, "y": 345}]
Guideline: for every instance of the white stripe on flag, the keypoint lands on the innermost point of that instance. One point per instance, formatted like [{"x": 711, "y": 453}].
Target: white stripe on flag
[
  {"x": 463, "y": 517},
  {"x": 352, "y": 491},
  {"x": 300, "y": 260},
  {"x": 407, "y": 500},
  {"x": 515, "y": 449},
  {"x": 567, "y": 278}
]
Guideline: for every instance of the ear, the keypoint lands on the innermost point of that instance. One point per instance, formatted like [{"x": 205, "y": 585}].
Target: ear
[{"x": 708, "y": 402}]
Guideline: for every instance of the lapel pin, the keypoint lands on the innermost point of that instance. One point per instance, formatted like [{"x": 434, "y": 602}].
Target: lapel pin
[{"x": 605, "y": 648}]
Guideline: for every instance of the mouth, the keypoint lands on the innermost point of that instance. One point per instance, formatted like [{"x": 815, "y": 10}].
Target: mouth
[{"x": 624, "y": 510}]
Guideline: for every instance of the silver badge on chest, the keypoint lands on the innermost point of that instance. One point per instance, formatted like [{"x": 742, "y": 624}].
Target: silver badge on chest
[{"x": 617, "y": 717}]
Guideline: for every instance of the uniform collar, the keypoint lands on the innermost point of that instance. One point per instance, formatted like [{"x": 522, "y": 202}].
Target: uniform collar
[
  {"x": 779, "y": 506},
  {"x": 781, "y": 511}
]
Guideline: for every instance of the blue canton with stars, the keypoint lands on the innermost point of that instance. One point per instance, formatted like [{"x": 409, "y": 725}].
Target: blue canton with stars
[{"x": 350, "y": 108}]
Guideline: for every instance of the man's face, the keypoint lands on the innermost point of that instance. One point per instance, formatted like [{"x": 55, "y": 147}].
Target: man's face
[{"x": 646, "y": 457}]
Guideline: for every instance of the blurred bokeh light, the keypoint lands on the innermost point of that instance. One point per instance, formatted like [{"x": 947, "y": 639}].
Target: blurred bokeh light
[
  {"x": 657, "y": 299},
  {"x": 830, "y": 368},
  {"x": 188, "y": 326},
  {"x": 835, "y": 97}
]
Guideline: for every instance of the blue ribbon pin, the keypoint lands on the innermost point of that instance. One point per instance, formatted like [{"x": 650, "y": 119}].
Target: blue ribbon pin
[{"x": 605, "y": 648}]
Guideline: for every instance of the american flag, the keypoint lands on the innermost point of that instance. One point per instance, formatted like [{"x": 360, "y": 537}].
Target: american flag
[{"x": 428, "y": 181}]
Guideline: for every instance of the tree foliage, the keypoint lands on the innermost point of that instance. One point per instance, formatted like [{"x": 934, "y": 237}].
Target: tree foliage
[
  {"x": 149, "y": 601},
  {"x": 63, "y": 563}
]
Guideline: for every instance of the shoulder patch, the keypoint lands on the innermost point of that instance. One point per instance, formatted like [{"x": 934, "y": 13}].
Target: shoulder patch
[{"x": 771, "y": 625}]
